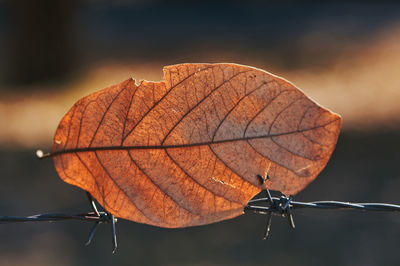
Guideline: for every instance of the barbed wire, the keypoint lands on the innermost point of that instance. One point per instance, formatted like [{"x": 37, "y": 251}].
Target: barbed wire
[
  {"x": 328, "y": 204},
  {"x": 51, "y": 217},
  {"x": 94, "y": 216},
  {"x": 284, "y": 205},
  {"x": 277, "y": 205}
]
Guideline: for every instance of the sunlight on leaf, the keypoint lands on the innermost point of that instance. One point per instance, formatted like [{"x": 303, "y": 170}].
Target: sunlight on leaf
[{"x": 187, "y": 150}]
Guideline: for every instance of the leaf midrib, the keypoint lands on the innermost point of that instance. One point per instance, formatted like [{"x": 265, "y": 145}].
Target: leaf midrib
[{"x": 162, "y": 147}]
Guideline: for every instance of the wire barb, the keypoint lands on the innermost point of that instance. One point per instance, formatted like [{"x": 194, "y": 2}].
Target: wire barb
[
  {"x": 109, "y": 218},
  {"x": 114, "y": 234},
  {"x": 94, "y": 216},
  {"x": 282, "y": 207},
  {"x": 91, "y": 234},
  {"x": 327, "y": 205},
  {"x": 92, "y": 203}
]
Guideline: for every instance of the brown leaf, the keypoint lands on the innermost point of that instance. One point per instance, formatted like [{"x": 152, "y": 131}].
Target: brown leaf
[{"x": 187, "y": 150}]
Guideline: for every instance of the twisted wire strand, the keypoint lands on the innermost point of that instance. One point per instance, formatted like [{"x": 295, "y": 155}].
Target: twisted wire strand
[
  {"x": 103, "y": 216},
  {"x": 94, "y": 216},
  {"x": 282, "y": 206},
  {"x": 319, "y": 205},
  {"x": 50, "y": 217}
]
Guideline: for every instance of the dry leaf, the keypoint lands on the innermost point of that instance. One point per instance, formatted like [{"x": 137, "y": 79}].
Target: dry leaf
[{"x": 187, "y": 150}]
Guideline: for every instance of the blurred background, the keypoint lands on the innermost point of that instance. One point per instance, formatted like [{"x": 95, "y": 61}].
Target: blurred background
[{"x": 345, "y": 55}]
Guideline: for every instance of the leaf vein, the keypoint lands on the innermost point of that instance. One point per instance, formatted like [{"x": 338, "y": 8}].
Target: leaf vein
[
  {"x": 165, "y": 95},
  {"x": 202, "y": 100}
]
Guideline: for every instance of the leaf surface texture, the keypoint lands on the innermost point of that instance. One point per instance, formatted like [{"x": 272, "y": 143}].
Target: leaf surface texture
[{"x": 186, "y": 151}]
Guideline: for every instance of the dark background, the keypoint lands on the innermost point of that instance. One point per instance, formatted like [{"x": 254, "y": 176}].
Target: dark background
[{"x": 52, "y": 49}]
